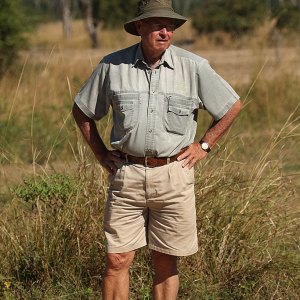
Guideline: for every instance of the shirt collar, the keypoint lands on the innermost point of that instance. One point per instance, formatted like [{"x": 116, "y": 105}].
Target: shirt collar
[{"x": 166, "y": 59}]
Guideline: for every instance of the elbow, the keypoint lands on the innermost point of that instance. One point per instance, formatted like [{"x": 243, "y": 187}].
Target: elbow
[
  {"x": 75, "y": 110},
  {"x": 77, "y": 113},
  {"x": 238, "y": 106}
]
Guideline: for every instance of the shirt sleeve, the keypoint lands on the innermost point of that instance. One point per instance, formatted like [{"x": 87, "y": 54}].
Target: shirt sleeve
[
  {"x": 93, "y": 98},
  {"x": 216, "y": 95}
]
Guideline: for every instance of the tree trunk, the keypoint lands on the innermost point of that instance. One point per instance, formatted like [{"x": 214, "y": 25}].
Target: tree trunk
[
  {"x": 67, "y": 18},
  {"x": 91, "y": 23}
]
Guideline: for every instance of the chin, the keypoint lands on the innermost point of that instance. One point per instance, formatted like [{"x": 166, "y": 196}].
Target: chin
[{"x": 163, "y": 47}]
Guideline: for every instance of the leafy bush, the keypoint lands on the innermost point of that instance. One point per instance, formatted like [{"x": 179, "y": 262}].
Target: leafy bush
[{"x": 51, "y": 189}]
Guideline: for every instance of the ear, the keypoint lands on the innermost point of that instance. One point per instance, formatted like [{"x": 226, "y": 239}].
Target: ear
[{"x": 138, "y": 25}]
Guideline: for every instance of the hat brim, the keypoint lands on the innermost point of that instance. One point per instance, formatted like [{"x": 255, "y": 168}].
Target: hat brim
[{"x": 161, "y": 13}]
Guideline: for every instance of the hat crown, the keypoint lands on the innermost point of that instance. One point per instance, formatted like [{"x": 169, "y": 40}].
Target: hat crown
[
  {"x": 148, "y": 5},
  {"x": 154, "y": 9}
]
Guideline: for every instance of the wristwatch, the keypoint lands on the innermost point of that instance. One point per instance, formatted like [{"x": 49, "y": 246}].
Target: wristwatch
[{"x": 204, "y": 146}]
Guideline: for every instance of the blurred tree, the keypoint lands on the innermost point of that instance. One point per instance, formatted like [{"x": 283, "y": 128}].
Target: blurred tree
[
  {"x": 66, "y": 18},
  {"x": 183, "y": 6},
  {"x": 233, "y": 16},
  {"x": 11, "y": 28},
  {"x": 87, "y": 7},
  {"x": 115, "y": 12}
]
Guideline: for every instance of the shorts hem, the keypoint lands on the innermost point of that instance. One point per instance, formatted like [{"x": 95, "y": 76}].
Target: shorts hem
[
  {"x": 124, "y": 249},
  {"x": 173, "y": 252}
]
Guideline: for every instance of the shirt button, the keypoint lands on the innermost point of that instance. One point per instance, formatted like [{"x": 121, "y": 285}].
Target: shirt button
[{"x": 150, "y": 130}]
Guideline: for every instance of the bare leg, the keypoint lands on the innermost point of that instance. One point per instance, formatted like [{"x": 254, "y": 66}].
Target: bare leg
[
  {"x": 166, "y": 281},
  {"x": 116, "y": 276}
]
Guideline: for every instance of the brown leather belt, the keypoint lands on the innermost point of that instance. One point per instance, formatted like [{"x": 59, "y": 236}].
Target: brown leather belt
[{"x": 149, "y": 161}]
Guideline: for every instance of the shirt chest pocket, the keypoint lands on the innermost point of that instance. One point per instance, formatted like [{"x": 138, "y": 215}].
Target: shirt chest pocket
[
  {"x": 125, "y": 107},
  {"x": 179, "y": 111}
]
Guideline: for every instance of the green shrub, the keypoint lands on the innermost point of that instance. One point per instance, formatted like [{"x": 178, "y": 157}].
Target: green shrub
[{"x": 53, "y": 190}]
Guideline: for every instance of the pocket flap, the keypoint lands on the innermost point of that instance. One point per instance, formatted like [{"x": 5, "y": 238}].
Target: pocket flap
[
  {"x": 181, "y": 111},
  {"x": 124, "y": 106}
]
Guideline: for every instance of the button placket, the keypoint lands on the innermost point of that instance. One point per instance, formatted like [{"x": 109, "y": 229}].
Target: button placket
[{"x": 153, "y": 85}]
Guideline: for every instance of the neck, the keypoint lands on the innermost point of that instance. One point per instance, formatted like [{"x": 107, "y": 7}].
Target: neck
[{"x": 152, "y": 58}]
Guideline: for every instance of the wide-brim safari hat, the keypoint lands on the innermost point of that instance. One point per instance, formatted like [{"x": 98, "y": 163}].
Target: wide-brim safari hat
[{"x": 154, "y": 9}]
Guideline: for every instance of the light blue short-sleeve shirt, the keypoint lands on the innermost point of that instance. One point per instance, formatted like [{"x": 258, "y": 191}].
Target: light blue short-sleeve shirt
[{"x": 154, "y": 111}]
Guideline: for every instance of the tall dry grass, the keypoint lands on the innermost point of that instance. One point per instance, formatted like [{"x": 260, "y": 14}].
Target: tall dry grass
[
  {"x": 52, "y": 243},
  {"x": 51, "y": 240}
]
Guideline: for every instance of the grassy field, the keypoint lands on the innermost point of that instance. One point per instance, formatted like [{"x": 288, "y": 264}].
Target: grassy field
[{"x": 52, "y": 191}]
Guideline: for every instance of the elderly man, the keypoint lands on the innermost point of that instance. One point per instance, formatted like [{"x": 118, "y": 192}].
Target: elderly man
[{"x": 155, "y": 90}]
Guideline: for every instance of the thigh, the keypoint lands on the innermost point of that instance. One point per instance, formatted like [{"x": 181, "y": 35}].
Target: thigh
[
  {"x": 172, "y": 214},
  {"x": 125, "y": 215}
]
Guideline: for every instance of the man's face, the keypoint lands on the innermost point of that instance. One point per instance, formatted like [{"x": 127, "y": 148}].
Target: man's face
[{"x": 156, "y": 33}]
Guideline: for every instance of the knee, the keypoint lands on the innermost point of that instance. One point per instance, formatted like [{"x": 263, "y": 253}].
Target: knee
[
  {"x": 118, "y": 261},
  {"x": 164, "y": 263}
]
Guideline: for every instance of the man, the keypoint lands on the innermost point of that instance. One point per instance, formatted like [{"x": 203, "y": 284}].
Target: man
[{"x": 154, "y": 90}]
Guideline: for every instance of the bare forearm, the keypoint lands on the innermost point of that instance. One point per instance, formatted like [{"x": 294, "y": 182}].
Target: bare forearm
[
  {"x": 90, "y": 133},
  {"x": 108, "y": 159},
  {"x": 218, "y": 128}
]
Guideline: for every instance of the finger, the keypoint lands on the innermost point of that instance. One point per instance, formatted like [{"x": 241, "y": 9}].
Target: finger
[
  {"x": 192, "y": 163},
  {"x": 187, "y": 161},
  {"x": 114, "y": 156},
  {"x": 117, "y": 160},
  {"x": 116, "y": 153},
  {"x": 111, "y": 167},
  {"x": 183, "y": 155}
]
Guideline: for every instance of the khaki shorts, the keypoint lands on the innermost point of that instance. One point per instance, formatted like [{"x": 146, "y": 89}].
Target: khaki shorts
[{"x": 154, "y": 206}]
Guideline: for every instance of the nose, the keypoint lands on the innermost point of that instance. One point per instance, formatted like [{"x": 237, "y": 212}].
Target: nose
[{"x": 163, "y": 31}]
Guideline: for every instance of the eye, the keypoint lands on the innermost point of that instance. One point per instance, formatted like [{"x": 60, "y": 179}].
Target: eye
[
  {"x": 170, "y": 27},
  {"x": 159, "y": 27}
]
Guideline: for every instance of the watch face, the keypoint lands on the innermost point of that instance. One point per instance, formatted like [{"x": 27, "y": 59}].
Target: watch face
[{"x": 204, "y": 146}]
